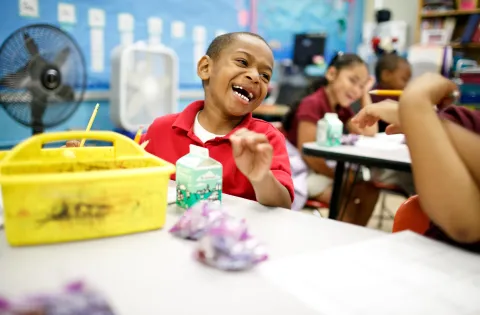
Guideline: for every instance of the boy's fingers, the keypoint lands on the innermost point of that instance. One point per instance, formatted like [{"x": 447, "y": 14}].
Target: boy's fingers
[
  {"x": 392, "y": 130},
  {"x": 237, "y": 145},
  {"x": 72, "y": 144}
]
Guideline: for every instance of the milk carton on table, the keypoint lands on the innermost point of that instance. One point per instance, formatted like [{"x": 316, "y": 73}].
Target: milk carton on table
[
  {"x": 199, "y": 178},
  {"x": 329, "y": 130}
]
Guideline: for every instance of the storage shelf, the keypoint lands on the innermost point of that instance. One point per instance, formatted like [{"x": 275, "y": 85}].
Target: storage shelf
[{"x": 447, "y": 13}]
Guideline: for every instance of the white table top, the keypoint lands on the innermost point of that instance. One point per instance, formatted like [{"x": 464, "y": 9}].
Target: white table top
[
  {"x": 154, "y": 272},
  {"x": 369, "y": 150}
]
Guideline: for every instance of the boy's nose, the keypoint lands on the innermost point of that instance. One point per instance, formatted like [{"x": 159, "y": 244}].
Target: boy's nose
[{"x": 254, "y": 77}]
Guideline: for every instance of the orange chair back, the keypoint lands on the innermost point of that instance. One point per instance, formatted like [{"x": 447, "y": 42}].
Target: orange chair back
[{"x": 410, "y": 216}]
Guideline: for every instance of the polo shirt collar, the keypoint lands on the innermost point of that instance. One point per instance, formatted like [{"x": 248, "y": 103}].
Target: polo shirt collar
[{"x": 186, "y": 119}]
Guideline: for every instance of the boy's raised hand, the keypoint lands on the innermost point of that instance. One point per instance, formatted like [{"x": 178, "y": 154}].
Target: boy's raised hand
[
  {"x": 386, "y": 110},
  {"x": 431, "y": 87},
  {"x": 252, "y": 153}
]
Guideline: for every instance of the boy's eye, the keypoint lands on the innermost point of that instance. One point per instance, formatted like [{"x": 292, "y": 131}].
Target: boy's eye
[
  {"x": 266, "y": 76},
  {"x": 243, "y": 62}
]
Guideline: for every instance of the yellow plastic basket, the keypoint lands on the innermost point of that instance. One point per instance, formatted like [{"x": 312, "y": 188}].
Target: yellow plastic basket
[{"x": 51, "y": 197}]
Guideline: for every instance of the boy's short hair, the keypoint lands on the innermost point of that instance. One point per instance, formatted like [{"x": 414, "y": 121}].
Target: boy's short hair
[
  {"x": 222, "y": 41},
  {"x": 387, "y": 62}
]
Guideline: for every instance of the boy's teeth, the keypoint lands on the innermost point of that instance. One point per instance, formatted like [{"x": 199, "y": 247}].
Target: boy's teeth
[
  {"x": 242, "y": 96},
  {"x": 250, "y": 95}
]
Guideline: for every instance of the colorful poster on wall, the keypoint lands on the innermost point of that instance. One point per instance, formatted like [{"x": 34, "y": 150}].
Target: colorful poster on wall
[{"x": 279, "y": 21}]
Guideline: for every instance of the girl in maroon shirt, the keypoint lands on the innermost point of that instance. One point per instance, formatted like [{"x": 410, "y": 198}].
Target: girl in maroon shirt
[
  {"x": 346, "y": 81},
  {"x": 444, "y": 152}
]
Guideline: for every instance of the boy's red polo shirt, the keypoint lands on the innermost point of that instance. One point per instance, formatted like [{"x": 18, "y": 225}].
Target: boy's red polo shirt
[{"x": 170, "y": 136}]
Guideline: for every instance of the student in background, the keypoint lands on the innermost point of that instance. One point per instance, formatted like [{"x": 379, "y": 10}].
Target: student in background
[
  {"x": 392, "y": 73},
  {"x": 445, "y": 150},
  {"x": 346, "y": 80},
  {"x": 235, "y": 73}
]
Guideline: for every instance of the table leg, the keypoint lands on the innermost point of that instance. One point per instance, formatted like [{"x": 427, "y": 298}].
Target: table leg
[{"x": 337, "y": 191}]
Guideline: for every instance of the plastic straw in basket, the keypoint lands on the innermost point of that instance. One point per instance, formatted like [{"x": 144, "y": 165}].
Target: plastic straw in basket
[{"x": 90, "y": 123}]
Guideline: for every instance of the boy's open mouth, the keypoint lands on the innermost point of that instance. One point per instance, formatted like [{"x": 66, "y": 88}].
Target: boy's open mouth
[{"x": 242, "y": 93}]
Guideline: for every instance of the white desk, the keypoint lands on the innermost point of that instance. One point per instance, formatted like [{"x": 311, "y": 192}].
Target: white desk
[
  {"x": 391, "y": 156},
  {"x": 154, "y": 273}
]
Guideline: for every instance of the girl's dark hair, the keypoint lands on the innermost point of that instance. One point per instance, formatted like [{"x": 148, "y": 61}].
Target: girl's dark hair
[{"x": 339, "y": 62}]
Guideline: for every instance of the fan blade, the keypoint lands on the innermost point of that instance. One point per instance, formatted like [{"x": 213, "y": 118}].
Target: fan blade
[
  {"x": 65, "y": 93},
  {"x": 30, "y": 44},
  {"x": 61, "y": 57},
  {"x": 135, "y": 105},
  {"x": 17, "y": 80}
]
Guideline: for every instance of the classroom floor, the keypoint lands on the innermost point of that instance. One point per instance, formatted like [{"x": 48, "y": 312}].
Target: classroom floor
[{"x": 392, "y": 202}]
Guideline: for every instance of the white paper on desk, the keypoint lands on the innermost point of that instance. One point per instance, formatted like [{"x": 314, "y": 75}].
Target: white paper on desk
[
  {"x": 401, "y": 273},
  {"x": 381, "y": 142}
]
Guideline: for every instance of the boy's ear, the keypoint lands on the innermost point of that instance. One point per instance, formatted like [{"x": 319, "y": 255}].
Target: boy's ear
[
  {"x": 331, "y": 74},
  {"x": 204, "y": 67}
]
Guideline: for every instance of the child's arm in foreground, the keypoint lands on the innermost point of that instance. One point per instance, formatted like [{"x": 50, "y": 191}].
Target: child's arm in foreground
[
  {"x": 440, "y": 150},
  {"x": 253, "y": 154}
]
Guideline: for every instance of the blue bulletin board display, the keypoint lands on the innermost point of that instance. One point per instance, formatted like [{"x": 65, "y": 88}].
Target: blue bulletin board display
[
  {"x": 280, "y": 20},
  {"x": 214, "y": 15}
]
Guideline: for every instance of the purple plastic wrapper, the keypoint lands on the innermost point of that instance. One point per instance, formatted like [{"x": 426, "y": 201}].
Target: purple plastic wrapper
[
  {"x": 195, "y": 221},
  {"x": 228, "y": 245},
  {"x": 349, "y": 139},
  {"x": 76, "y": 299}
]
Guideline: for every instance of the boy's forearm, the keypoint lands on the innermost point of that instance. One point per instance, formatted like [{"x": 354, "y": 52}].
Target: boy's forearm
[
  {"x": 270, "y": 192},
  {"x": 448, "y": 193},
  {"x": 467, "y": 145}
]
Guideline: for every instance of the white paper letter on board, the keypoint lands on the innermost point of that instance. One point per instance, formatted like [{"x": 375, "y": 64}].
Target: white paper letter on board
[
  {"x": 126, "y": 24},
  {"x": 97, "y": 49},
  {"x": 178, "y": 29},
  {"x": 96, "y": 18},
  {"x": 28, "y": 8},
  {"x": 155, "y": 28},
  {"x": 66, "y": 13}
]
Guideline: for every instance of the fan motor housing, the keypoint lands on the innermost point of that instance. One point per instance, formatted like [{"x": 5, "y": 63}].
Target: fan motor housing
[{"x": 51, "y": 78}]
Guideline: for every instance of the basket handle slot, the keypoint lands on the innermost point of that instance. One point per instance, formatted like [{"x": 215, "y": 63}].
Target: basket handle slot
[{"x": 31, "y": 147}]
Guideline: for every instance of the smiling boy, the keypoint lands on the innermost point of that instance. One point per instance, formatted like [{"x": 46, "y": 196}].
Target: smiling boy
[{"x": 235, "y": 72}]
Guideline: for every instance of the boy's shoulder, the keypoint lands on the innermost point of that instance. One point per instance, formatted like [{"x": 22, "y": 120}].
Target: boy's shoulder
[
  {"x": 164, "y": 121},
  {"x": 266, "y": 128}
]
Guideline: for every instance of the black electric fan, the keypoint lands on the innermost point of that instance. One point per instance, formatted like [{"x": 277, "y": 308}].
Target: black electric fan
[{"x": 42, "y": 76}]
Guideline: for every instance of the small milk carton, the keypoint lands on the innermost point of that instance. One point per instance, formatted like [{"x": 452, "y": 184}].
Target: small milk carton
[
  {"x": 329, "y": 130},
  {"x": 199, "y": 178}
]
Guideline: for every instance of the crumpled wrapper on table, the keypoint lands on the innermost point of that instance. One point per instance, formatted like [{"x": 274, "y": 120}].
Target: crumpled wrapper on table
[
  {"x": 227, "y": 245},
  {"x": 195, "y": 221},
  {"x": 75, "y": 299},
  {"x": 349, "y": 139}
]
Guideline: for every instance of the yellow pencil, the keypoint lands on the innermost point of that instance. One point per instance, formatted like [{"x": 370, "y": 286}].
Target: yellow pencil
[
  {"x": 90, "y": 123},
  {"x": 138, "y": 135},
  {"x": 455, "y": 94},
  {"x": 386, "y": 92}
]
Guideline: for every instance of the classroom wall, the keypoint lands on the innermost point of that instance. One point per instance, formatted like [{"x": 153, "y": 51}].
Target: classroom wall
[
  {"x": 402, "y": 10},
  {"x": 275, "y": 19},
  {"x": 279, "y": 20}
]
